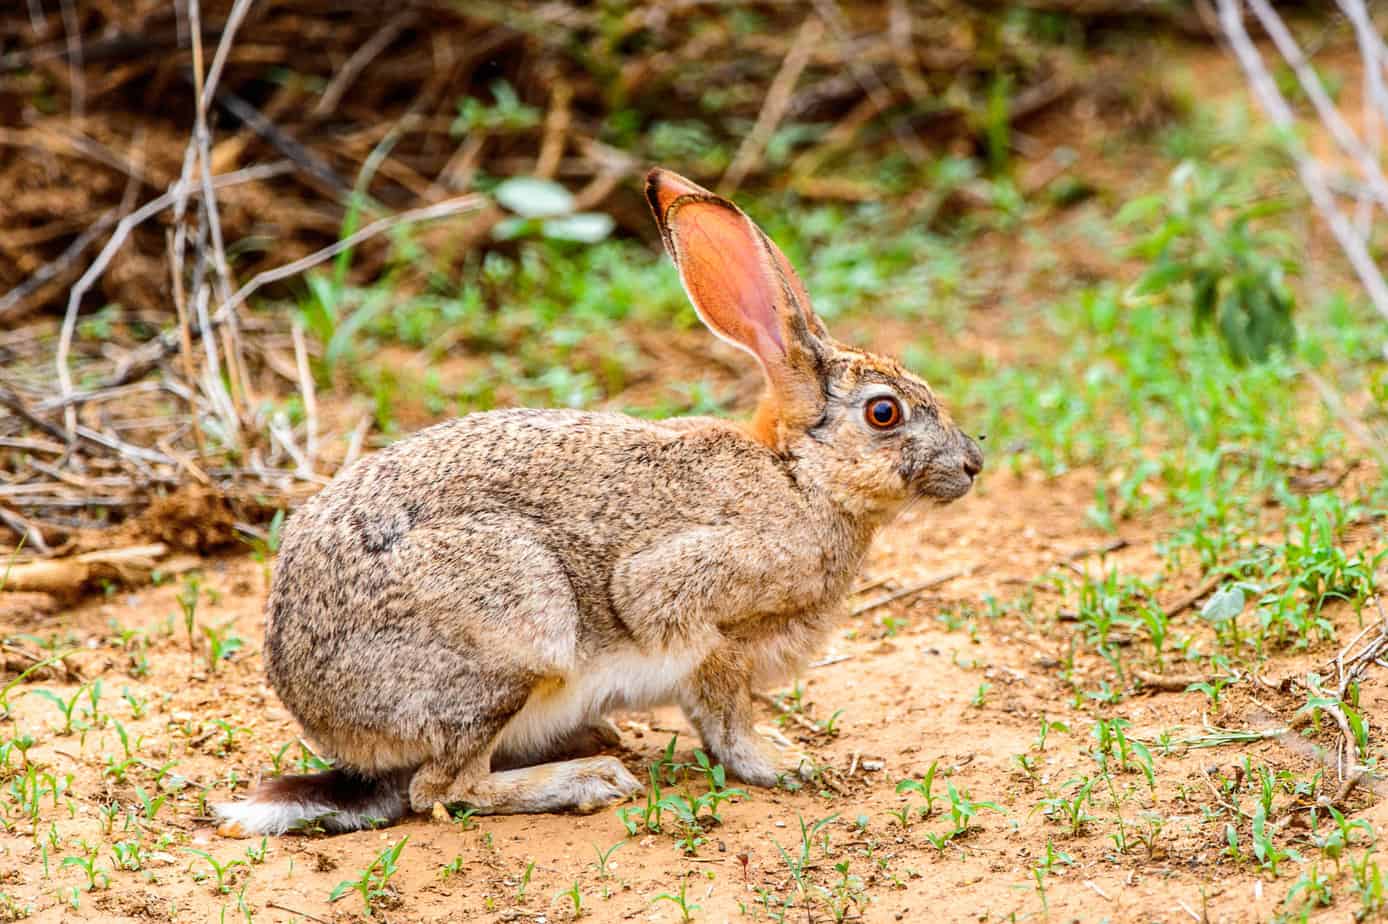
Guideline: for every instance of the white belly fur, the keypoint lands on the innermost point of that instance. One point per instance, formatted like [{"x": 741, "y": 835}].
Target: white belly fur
[{"x": 626, "y": 680}]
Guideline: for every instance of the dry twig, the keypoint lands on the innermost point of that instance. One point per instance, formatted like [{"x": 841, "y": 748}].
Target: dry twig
[
  {"x": 774, "y": 107},
  {"x": 910, "y": 590},
  {"x": 1311, "y": 172}
]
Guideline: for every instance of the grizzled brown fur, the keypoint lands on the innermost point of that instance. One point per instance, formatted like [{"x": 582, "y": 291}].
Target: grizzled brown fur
[{"x": 458, "y": 611}]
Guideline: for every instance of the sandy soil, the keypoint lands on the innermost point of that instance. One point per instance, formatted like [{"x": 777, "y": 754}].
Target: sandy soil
[{"x": 904, "y": 679}]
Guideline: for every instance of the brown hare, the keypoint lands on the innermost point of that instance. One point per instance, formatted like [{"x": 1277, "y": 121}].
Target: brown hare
[{"x": 454, "y": 617}]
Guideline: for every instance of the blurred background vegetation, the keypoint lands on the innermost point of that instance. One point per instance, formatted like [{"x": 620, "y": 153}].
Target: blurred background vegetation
[{"x": 1022, "y": 200}]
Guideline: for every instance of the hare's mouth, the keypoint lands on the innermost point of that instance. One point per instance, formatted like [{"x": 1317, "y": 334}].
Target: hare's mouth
[{"x": 944, "y": 487}]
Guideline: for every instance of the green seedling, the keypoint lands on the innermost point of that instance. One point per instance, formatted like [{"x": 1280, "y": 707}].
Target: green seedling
[
  {"x": 1071, "y": 811},
  {"x": 22, "y": 744},
  {"x": 188, "y": 604},
  {"x": 452, "y": 868},
  {"x": 830, "y": 726},
  {"x": 680, "y": 900},
  {"x": 263, "y": 549},
  {"x": 923, "y": 788},
  {"x": 374, "y": 882},
  {"x": 11, "y": 559},
  {"x": 645, "y": 817},
  {"x": 1367, "y": 881},
  {"x": 67, "y": 707},
  {"x": 962, "y": 808},
  {"x": 221, "y": 645},
  {"x": 10, "y": 908},
  {"x": 128, "y": 855},
  {"x": 666, "y": 768},
  {"x": 525, "y": 880},
  {"x": 1265, "y": 849},
  {"x": 575, "y": 898},
  {"x": 1115, "y": 745},
  {"x": 605, "y": 858},
  {"x": 1334, "y": 844},
  {"x": 1044, "y": 867},
  {"x": 1048, "y": 726},
  {"x": 255, "y": 855},
  {"x": 466, "y": 818},
  {"x": 229, "y": 732},
  {"x": 1211, "y": 689},
  {"x": 798, "y": 864},
  {"x": 221, "y": 870},
  {"x": 97, "y": 877},
  {"x": 150, "y": 804},
  {"x": 1313, "y": 887}
]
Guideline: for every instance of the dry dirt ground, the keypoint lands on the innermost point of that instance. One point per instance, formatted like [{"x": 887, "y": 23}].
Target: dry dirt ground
[{"x": 905, "y": 675}]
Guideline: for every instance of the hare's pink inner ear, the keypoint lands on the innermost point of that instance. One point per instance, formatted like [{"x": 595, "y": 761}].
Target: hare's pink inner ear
[
  {"x": 664, "y": 187},
  {"x": 728, "y": 273}
]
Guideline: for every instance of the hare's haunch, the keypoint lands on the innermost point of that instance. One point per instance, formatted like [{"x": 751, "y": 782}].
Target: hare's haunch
[{"x": 454, "y": 617}]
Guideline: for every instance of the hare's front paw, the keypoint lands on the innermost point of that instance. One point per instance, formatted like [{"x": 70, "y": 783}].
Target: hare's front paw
[
  {"x": 791, "y": 762},
  {"x": 756, "y": 763}
]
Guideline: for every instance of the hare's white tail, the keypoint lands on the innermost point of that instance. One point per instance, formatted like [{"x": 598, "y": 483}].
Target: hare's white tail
[{"x": 334, "y": 801}]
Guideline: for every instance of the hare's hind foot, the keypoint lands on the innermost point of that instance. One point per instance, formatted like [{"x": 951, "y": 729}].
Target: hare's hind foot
[{"x": 584, "y": 785}]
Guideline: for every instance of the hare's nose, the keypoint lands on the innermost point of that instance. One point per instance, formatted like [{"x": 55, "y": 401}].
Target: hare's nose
[{"x": 973, "y": 458}]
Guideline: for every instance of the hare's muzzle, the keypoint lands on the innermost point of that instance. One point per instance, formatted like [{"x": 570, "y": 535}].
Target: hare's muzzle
[{"x": 949, "y": 471}]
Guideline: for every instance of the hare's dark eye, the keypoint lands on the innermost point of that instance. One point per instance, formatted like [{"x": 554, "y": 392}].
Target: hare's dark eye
[{"x": 883, "y": 413}]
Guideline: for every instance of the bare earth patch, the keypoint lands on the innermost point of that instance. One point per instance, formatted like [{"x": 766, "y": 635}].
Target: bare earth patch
[{"x": 930, "y": 678}]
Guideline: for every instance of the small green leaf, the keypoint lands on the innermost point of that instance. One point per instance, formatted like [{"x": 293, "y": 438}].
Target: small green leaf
[
  {"x": 1159, "y": 278},
  {"x": 1224, "y": 605},
  {"x": 1357, "y": 725},
  {"x": 1206, "y": 291},
  {"x": 508, "y": 229},
  {"x": 533, "y": 197},
  {"x": 1141, "y": 209},
  {"x": 583, "y": 227}
]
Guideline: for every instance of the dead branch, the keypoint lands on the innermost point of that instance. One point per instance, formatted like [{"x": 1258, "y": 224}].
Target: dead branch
[
  {"x": 14, "y": 298},
  {"x": 1311, "y": 172},
  {"x": 123, "y": 228},
  {"x": 1205, "y": 587},
  {"x": 773, "y": 107},
  {"x": 910, "y": 590},
  {"x": 1356, "y": 428},
  {"x": 151, "y": 354},
  {"x": 1169, "y": 683},
  {"x": 66, "y": 576}
]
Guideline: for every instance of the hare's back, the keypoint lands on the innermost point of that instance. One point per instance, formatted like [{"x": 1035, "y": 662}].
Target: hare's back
[{"x": 589, "y": 485}]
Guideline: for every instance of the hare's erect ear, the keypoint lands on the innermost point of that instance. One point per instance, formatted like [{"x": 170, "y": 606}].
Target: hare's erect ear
[{"x": 741, "y": 284}]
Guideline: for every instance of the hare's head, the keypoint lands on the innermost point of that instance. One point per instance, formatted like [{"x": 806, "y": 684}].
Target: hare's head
[{"x": 857, "y": 424}]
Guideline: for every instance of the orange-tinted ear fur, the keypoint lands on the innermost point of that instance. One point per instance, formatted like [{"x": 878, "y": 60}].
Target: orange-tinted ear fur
[{"x": 746, "y": 292}]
